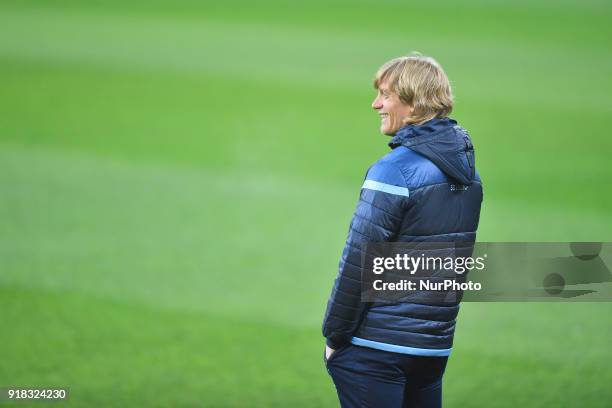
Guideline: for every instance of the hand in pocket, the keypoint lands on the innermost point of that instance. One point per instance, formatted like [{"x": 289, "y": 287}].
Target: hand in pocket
[{"x": 328, "y": 352}]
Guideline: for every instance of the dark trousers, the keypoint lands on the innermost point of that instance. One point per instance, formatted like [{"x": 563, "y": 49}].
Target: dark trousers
[{"x": 366, "y": 377}]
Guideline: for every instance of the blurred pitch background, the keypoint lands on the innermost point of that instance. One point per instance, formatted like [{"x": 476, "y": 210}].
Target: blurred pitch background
[{"x": 177, "y": 179}]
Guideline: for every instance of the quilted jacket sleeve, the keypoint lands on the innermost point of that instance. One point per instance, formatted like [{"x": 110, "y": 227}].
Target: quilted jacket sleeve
[{"x": 382, "y": 203}]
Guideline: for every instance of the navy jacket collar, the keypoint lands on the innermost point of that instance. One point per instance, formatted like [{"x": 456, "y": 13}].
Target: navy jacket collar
[
  {"x": 433, "y": 126},
  {"x": 443, "y": 142}
]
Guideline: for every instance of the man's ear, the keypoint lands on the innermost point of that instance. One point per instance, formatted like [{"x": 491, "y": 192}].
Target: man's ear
[
  {"x": 410, "y": 111},
  {"x": 406, "y": 120}
]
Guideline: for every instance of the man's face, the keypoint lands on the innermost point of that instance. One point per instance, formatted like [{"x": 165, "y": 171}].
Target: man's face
[{"x": 391, "y": 109}]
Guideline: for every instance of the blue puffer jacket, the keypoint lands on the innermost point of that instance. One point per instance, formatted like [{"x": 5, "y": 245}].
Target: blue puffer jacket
[{"x": 425, "y": 189}]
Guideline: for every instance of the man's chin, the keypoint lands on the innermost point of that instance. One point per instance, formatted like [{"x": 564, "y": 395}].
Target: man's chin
[{"x": 386, "y": 131}]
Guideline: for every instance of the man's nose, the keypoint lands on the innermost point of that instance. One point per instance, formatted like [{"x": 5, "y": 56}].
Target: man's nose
[{"x": 376, "y": 103}]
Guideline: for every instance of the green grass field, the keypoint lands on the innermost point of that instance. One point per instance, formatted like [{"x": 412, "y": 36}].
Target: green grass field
[{"x": 177, "y": 179}]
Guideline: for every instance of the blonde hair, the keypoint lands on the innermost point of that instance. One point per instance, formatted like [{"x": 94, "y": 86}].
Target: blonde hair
[{"x": 420, "y": 82}]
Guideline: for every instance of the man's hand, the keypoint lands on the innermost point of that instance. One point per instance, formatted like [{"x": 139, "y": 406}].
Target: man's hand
[{"x": 328, "y": 352}]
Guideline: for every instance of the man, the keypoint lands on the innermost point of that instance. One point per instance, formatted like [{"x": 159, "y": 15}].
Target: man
[{"x": 426, "y": 189}]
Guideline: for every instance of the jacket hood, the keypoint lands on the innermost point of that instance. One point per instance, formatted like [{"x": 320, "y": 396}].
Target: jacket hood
[{"x": 443, "y": 142}]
